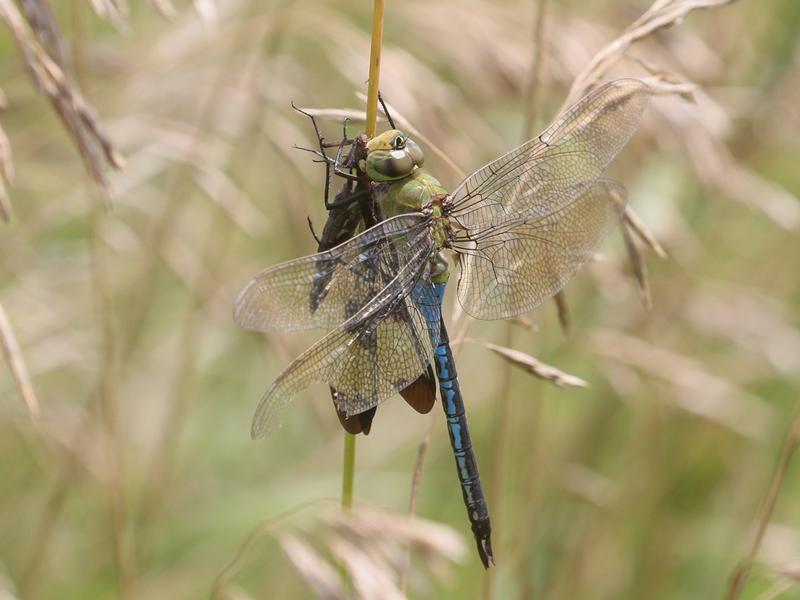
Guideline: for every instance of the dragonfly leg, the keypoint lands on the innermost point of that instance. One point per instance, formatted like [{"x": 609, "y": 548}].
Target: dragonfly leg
[
  {"x": 329, "y": 162},
  {"x": 346, "y": 199},
  {"x": 313, "y": 233}
]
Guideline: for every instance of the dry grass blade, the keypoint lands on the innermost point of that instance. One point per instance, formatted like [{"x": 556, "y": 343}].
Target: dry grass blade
[
  {"x": 739, "y": 577},
  {"x": 207, "y": 9},
  {"x": 115, "y": 11},
  {"x": 232, "y": 199},
  {"x": 562, "y": 308},
  {"x": 373, "y": 528},
  {"x": 5, "y": 203},
  {"x": 638, "y": 266},
  {"x": 791, "y": 572},
  {"x": 696, "y": 390},
  {"x": 535, "y": 367},
  {"x": 660, "y": 15},
  {"x": 372, "y": 545},
  {"x": 77, "y": 116},
  {"x": 6, "y": 172},
  {"x": 44, "y": 26},
  {"x": 16, "y": 365},
  {"x": 269, "y": 528},
  {"x": 165, "y": 8},
  {"x": 753, "y": 321},
  {"x": 370, "y": 578},
  {"x": 715, "y": 164},
  {"x": 636, "y": 225},
  {"x": 319, "y": 574},
  {"x": 524, "y": 322}
]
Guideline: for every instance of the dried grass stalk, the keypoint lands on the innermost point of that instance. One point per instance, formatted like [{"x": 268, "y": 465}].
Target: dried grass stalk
[
  {"x": 207, "y": 9},
  {"x": 562, "y": 309},
  {"x": 94, "y": 146},
  {"x": 638, "y": 266},
  {"x": 115, "y": 11},
  {"x": 695, "y": 390},
  {"x": 16, "y": 365},
  {"x": 660, "y": 15},
  {"x": 44, "y": 26},
  {"x": 6, "y": 171},
  {"x": 638, "y": 227},
  {"x": 536, "y": 367},
  {"x": 165, "y": 8},
  {"x": 318, "y": 573},
  {"x": 762, "y": 518}
]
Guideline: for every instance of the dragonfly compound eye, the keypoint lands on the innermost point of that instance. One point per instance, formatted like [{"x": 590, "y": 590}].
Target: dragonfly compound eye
[
  {"x": 389, "y": 165},
  {"x": 415, "y": 152}
]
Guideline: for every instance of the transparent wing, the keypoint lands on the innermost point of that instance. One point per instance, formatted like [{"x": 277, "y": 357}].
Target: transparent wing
[
  {"x": 546, "y": 173},
  {"x": 379, "y": 351},
  {"x": 513, "y": 268},
  {"x": 325, "y": 289}
]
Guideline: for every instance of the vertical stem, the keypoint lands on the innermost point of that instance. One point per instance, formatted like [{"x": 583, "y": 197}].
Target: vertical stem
[
  {"x": 349, "y": 467},
  {"x": 348, "y": 470},
  {"x": 739, "y": 577},
  {"x": 348, "y": 474},
  {"x": 371, "y": 126},
  {"x": 374, "y": 68}
]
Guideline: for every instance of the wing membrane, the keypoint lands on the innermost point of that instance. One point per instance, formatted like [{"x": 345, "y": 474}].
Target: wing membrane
[
  {"x": 325, "y": 289},
  {"x": 515, "y": 267},
  {"x": 379, "y": 351},
  {"x": 547, "y": 172}
]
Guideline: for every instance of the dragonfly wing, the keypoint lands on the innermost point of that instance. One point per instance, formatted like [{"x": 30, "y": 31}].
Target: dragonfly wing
[
  {"x": 547, "y": 172},
  {"x": 516, "y": 267},
  {"x": 325, "y": 289},
  {"x": 379, "y": 351},
  {"x": 421, "y": 394}
]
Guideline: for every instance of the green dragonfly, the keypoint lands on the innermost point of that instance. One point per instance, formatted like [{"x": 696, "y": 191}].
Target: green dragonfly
[{"x": 523, "y": 225}]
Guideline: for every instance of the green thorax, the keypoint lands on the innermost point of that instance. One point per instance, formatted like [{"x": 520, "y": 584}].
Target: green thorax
[
  {"x": 400, "y": 186},
  {"x": 408, "y": 194}
]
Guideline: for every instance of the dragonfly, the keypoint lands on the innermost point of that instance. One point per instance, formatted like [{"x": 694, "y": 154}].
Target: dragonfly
[
  {"x": 353, "y": 209},
  {"x": 521, "y": 225}
]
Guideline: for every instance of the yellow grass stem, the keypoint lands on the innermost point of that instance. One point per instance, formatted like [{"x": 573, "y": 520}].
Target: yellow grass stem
[
  {"x": 374, "y": 68},
  {"x": 348, "y": 469}
]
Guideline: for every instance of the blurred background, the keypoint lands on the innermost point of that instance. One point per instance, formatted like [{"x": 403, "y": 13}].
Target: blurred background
[{"x": 126, "y": 466}]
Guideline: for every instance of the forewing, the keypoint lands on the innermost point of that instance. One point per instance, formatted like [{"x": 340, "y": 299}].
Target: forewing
[
  {"x": 376, "y": 353},
  {"x": 325, "y": 289},
  {"x": 516, "y": 267},
  {"x": 547, "y": 172}
]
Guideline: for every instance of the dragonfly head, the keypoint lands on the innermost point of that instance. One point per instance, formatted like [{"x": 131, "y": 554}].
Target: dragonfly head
[{"x": 392, "y": 155}]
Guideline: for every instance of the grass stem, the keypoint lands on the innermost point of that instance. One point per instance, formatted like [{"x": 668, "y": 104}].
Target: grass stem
[
  {"x": 374, "y": 68},
  {"x": 742, "y": 571},
  {"x": 348, "y": 469}
]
